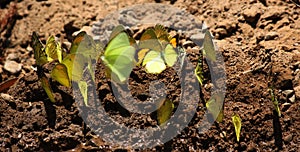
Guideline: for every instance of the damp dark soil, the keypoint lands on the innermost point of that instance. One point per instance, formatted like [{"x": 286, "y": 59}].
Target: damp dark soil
[{"x": 255, "y": 38}]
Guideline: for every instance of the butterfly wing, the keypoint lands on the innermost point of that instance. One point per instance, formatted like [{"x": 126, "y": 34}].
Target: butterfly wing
[
  {"x": 46, "y": 86},
  {"x": 75, "y": 65},
  {"x": 164, "y": 111},
  {"x": 39, "y": 55},
  {"x": 60, "y": 74},
  {"x": 83, "y": 87},
  {"x": 149, "y": 40},
  {"x": 119, "y": 57},
  {"x": 141, "y": 55},
  {"x": 153, "y": 62},
  {"x": 170, "y": 55},
  {"x": 215, "y": 106},
  {"x": 53, "y": 49},
  {"x": 208, "y": 46},
  {"x": 237, "y": 122},
  {"x": 85, "y": 45},
  {"x": 116, "y": 31},
  {"x": 161, "y": 33}
]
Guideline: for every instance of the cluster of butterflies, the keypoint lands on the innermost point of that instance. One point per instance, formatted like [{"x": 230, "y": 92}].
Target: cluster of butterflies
[
  {"x": 69, "y": 66},
  {"x": 155, "y": 50}
]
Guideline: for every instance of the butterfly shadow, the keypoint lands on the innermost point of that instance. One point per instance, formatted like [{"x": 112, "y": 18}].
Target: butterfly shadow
[
  {"x": 51, "y": 113},
  {"x": 277, "y": 130}
]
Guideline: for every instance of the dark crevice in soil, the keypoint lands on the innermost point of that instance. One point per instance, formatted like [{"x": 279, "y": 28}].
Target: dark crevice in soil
[{"x": 277, "y": 130}]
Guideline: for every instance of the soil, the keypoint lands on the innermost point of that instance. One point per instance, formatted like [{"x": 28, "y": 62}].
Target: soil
[{"x": 258, "y": 39}]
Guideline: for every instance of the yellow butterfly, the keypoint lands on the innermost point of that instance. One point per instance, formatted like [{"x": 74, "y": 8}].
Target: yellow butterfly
[
  {"x": 215, "y": 106},
  {"x": 164, "y": 111},
  {"x": 41, "y": 59},
  {"x": 237, "y": 122},
  {"x": 156, "y": 52}
]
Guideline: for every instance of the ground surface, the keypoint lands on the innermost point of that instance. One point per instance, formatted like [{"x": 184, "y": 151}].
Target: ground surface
[{"x": 251, "y": 35}]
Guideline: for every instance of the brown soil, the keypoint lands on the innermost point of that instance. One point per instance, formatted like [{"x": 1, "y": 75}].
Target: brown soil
[{"x": 254, "y": 37}]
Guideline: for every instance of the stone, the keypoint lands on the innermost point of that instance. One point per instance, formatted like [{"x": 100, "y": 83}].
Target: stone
[
  {"x": 271, "y": 36},
  {"x": 292, "y": 99},
  {"x": 288, "y": 138},
  {"x": 252, "y": 14},
  {"x": 287, "y": 93},
  {"x": 6, "y": 97},
  {"x": 273, "y": 13},
  {"x": 12, "y": 66},
  {"x": 286, "y": 48},
  {"x": 221, "y": 32},
  {"x": 12, "y": 56}
]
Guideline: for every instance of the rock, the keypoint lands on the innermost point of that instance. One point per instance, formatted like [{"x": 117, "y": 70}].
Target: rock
[
  {"x": 87, "y": 29},
  {"x": 225, "y": 28},
  {"x": 12, "y": 66},
  {"x": 29, "y": 48},
  {"x": 252, "y": 1},
  {"x": 296, "y": 81},
  {"x": 292, "y": 99},
  {"x": 284, "y": 22},
  {"x": 247, "y": 29},
  {"x": 252, "y": 14},
  {"x": 12, "y": 56},
  {"x": 6, "y": 97},
  {"x": 259, "y": 36},
  {"x": 273, "y": 13},
  {"x": 230, "y": 26},
  {"x": 286, "y": 106},
  {"x": 288, "y": 138},
  {"x": 287, "y": 93},
  {"x": 297, "y": 92},
  {"x": 221, "y": 32},
  {"x": 271, "y": 36},
  {"x": 286, "y": 48}
]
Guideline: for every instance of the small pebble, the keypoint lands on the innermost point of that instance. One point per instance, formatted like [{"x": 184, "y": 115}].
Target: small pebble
[
  {"x": 6, "y": 97},
  {"x": 286, "y": 48},
  {"x": 29, "y": 48},
  {"x": 292, "y": 99},
  {"x": 271, "y": 36},
  {"x": 288, "y": 138},
  {"x": 287, "y": 93},
  {"x": 12, "y": 56},
  {"x": 252, "y": 14},
  {"x": 12, "y": 66},
  {"x": 221, "y": 31}
]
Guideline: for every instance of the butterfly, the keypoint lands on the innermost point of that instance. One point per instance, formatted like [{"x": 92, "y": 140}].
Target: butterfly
[
  {"x": 53, "y": 49},
  {"x": 209, "y": 51},
  {"x": 215, "y": 106},
  {"x": 156, "y": 52},
  {"x": 119, "y": 55},
  {"x": 164, "y": 111},
  {"x": 208, "y": 47},
  {"x": 237, "y": 122},
  {"x": 82, "y": 53},
  {"x": 41, "y": 59}
]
